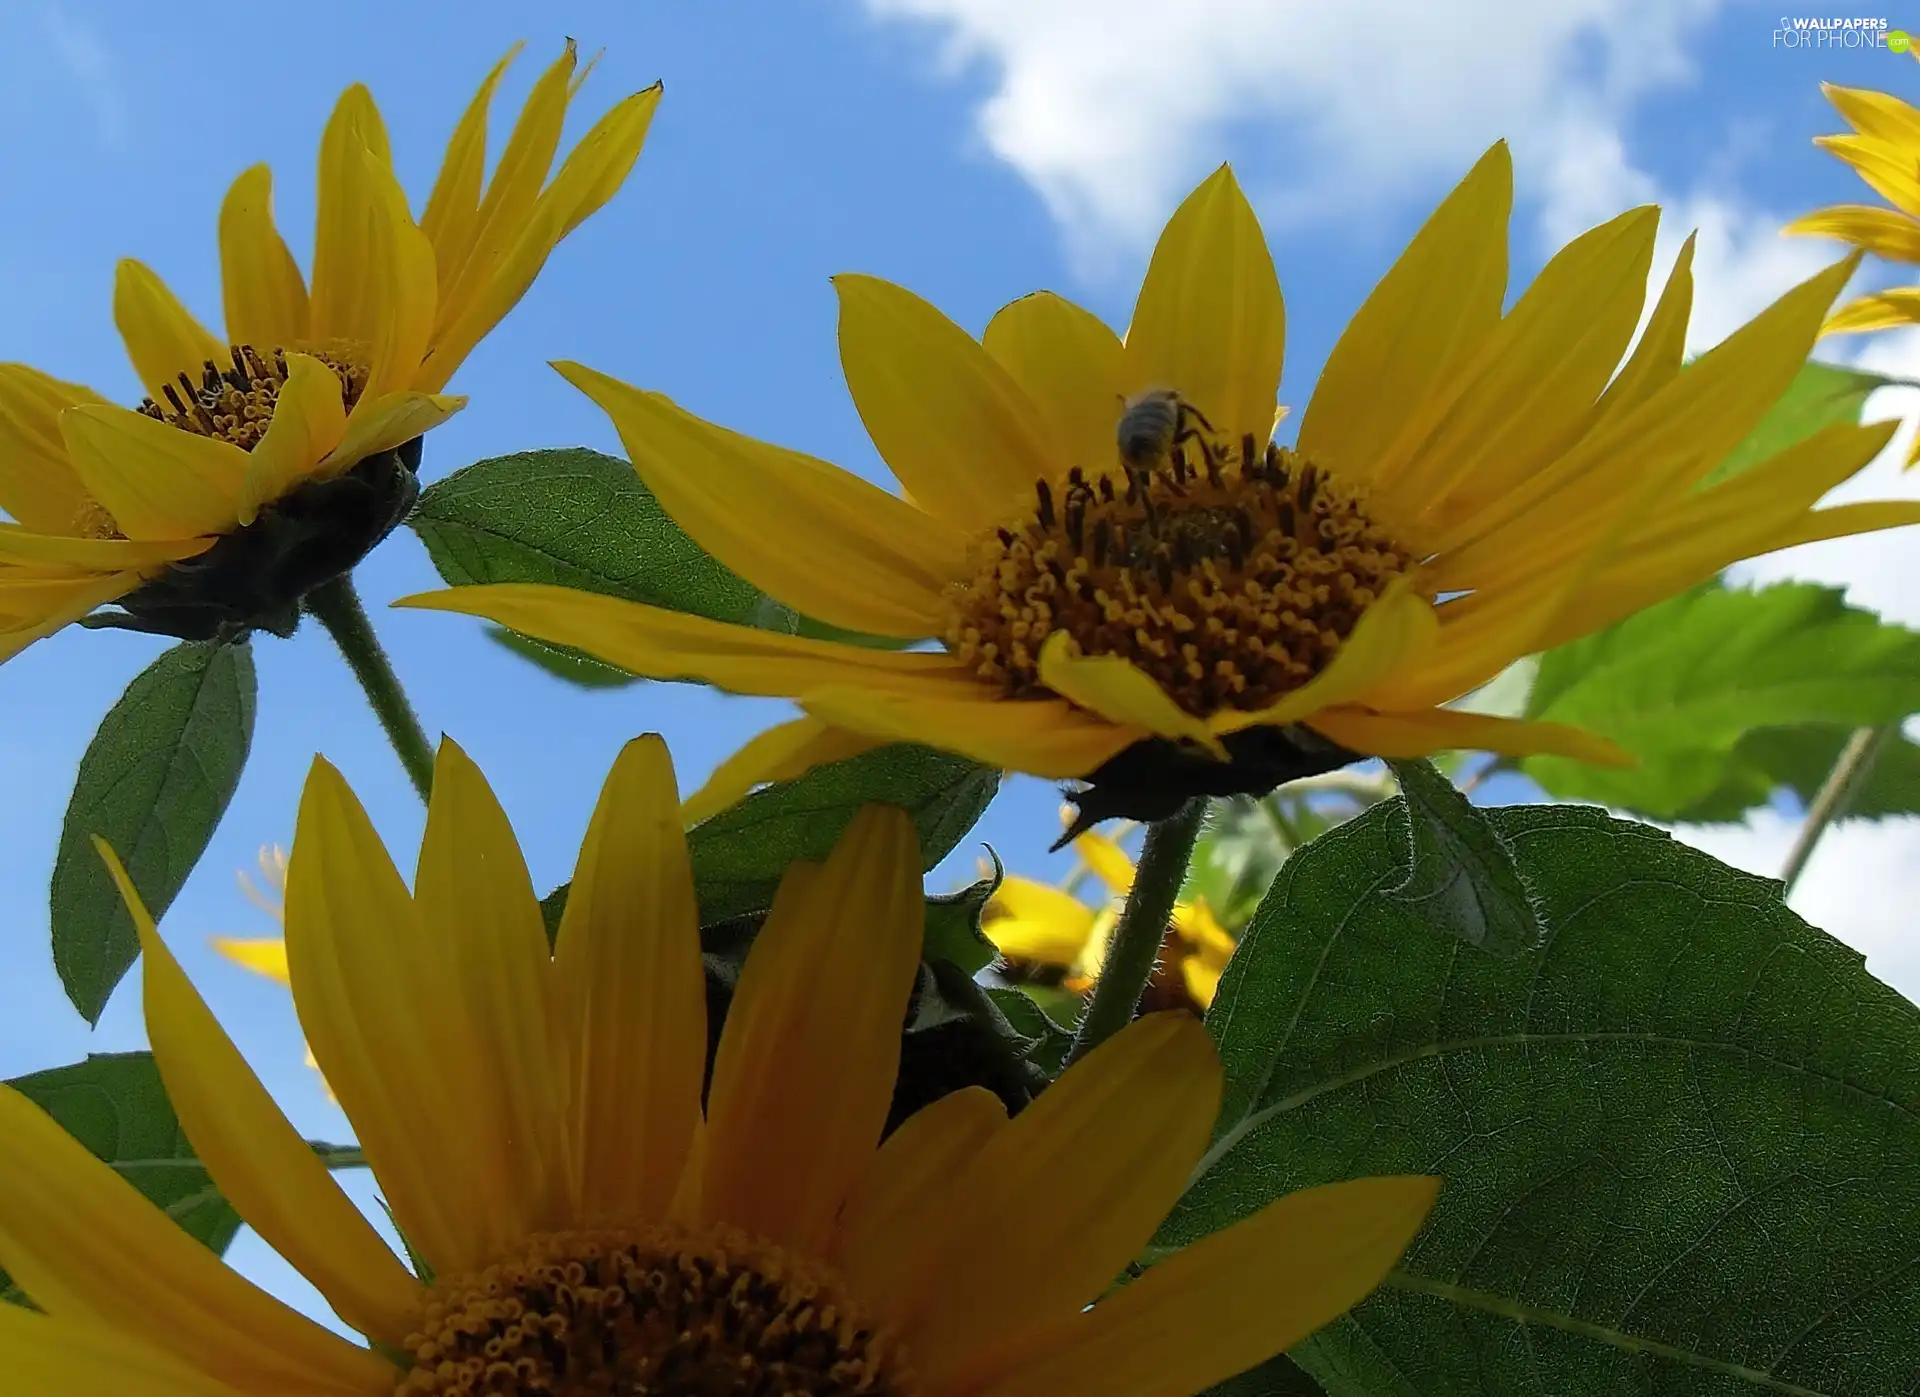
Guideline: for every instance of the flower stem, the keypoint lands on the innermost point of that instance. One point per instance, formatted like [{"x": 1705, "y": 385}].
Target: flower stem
[
  {"x": 1143, "y": 925},
  {"x": 1850, "y": 772},
  {"x": 336, "y": 606}
]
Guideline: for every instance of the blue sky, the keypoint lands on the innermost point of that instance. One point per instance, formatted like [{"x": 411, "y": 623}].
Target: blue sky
[{"x": 970, "y": 150}]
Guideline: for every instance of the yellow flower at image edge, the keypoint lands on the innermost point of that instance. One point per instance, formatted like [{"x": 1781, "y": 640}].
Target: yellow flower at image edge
[
  {"x": 535, "y": 1123},
  {"x": 270, "y": 461},
  {"x": 1884, "y": 150},
  {"x": 1140, "y": 588},
  {"x": 1035, "y": 924}
]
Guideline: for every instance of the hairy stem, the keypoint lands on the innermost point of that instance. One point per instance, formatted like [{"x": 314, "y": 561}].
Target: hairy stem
[
  {"x": 1143, "y": 925},
  {"x": 336, "y": 606}
]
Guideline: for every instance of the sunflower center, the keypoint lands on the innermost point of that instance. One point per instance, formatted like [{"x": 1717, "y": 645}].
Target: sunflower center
[
  {"x": 663, "y": 1312},
  {"x": 1229, "y": 572},
  {"x": 233, "y": 401}
]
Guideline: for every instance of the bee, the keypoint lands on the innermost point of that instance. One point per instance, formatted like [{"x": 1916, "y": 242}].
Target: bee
[{"x": 1152, "y": 424}]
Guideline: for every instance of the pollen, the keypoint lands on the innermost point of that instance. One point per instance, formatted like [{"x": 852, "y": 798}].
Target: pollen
[
  {"x": 1231, "y": 573},
  {"x": 666, "y": 1310},
  {"x": 233, "y": 400}
]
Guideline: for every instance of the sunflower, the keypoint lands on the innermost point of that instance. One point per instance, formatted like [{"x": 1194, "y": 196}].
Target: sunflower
[
  {"x": 584, "y": 1223},
  {"x": 1038, "y": 926},
  {"x": 266, "y": 955},
  {"x": 1115, "y": 558},
  {"x": 271, "y": 459},
  {"x": 1884, "y": 150}
]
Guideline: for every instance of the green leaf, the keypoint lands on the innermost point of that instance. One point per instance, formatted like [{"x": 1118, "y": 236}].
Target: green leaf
[
  {"x": 114, "y": 1104},
  {"x": 154, "y": 783},
  {"x": 1043, "y": 1033},
  {"x": 953, "y": 923},
  {"x": 1680, "y": 1137},
  {"x": 740, "y": 854},
  {"x": 1277, "y": 1377},
  {"x": 1681, "y": 684},
  {"x": 1819, "y": 396},
  {"x": 563, "y": 662},
  {"x": 1461, "y": 876},
  {"x": 576, "y": 518},
  {"x": 1799, "y": 759}
]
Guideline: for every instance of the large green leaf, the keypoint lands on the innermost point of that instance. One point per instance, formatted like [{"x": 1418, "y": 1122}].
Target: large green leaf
[
  {"x": 154, "y": 783},
  {"x": 1819, "y": 396},
  {"x": 576, "y": 518},
  {"x": 1683, "y": 683},
  {"x": 1800, "y": 759},
  {"x": 1680, "y": 1137},
  {"x": 740, "y": 854},
  {"x": 114, "y": 1104}
]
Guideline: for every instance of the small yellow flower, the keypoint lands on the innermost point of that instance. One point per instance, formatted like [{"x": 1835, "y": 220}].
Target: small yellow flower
[
  {"x": 1884, "y": 150},
  {"x": 535, "y": 1121},
  {"x": 1037, "y": 924},
  {"x": 1471, "y": 484},
  {"x": 304, "y": 388},
  {"x": 266, "y": 955}
]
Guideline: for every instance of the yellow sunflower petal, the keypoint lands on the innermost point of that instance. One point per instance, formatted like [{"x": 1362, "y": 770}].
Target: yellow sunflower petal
[
  {"x": 1042, "y": 737},
  {"x": 38, "y": 485},
  {"x": 630, "y": 976},
  {"x": 1877, "y": 114},
  {"x": 880, "y": 1245},
  {"x": 451, "y": 217},
  {"x": 1116, "y": 690},
  {"x": 1449, "y": 730},
  {"x": 1884, "y": 232},
  {"x": 1848, "y": 519},
  {"x": 343, "y": 303},
  {"x": 157, "y": 482},
  {"x": 1107, "y": 861},
  {"x": 260, "y": 1162},
  {"x": 49, "y": 1357},
  {"x": 1210, "y": 322},
  {"x": 264, "y": 955},
  {"x": 381, "y": 424},
  {"x": 1201, "y": 980},
  {"x": 1882, "y": 310},
  {"x": 264, "y": 295},
  {"x": 1232, "y": 1300},
  {"x": 784, "y": 752},
  {"x": 1663, "y": 344},
  {"x": 665, "y": 644},
  {"x": 1072, "y": 368},
  {"x": 592, "y": 174},
  {"x": 1655, "y": 452},
  {"x": 517, "y": 178},
  {"x": 388, "y": 1032},
  {"x": 400, "y": 282},
  {"x": 1037, "y": 922},
  {"x": 1429, "y": 314},
  {"x": 19, "y": 545},
  {"x": 1886, "y": 167},
  {"x": 821, "y": 539},
  {"x": 484, "y": 967},
  {"x": 954, "y": 426},
  {"x": 1394, "y": 635},
  {"x": 1538, "y": 377},
  {"x": 1125, "y": 1124},
  {"x": 800, "y": 1088},
  {"x": 309, "y": 420},
  {"x": 36, "y": 610},
  {"x": 89, "y": 1248},
  {"x": 163, "y": 339}
]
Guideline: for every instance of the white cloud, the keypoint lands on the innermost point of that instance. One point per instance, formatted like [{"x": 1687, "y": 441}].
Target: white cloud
[
  {"x": 1111, "y": 110},
  {"x": 91, "y": 69}
]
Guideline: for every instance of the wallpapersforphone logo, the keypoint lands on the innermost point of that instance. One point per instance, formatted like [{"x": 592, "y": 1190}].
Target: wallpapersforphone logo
[{"x": 1837, "y": 32}]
